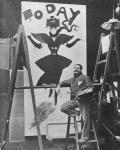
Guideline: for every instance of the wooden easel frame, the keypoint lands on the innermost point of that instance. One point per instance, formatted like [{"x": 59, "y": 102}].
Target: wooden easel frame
[{"x": 21, "y": 54}]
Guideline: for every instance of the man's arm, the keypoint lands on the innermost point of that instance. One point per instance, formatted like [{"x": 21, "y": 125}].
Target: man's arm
[
  {"x": 64, "y": 83},
  {"x": 88, "y": 81}
]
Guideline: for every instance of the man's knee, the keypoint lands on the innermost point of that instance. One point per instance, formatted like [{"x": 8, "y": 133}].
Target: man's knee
[
  {"x": 69, "y": 105},
  {"x": 63, "y": 107}
]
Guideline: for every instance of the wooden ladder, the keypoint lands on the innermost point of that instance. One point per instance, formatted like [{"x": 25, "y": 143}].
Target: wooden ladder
[
  {"x": 21, "y": 55},
  {"x": 108, "y": 76}
]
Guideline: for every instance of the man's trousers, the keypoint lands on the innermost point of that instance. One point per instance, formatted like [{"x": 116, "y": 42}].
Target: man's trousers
[{"x": 84, "y": 105}]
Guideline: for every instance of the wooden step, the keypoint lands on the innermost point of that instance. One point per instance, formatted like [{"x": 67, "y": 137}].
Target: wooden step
[
  {"x": 92, "y": 141},
  {"x": 92, "y": 130},
  {"x": 102, "y": 62},
  {"x": 72, "y": 137},
  {"x": 88, "y": 141},
  {"x": 97, "y": 84}
]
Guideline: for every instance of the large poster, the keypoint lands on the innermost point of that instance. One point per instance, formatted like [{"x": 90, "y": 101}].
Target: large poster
[{"x": 56, "y": 37}]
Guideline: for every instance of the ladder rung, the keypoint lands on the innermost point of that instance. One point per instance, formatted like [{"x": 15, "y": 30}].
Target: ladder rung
[
  {"x": 72, "y": 137},
  {"x": 92, "y": 130},
  {"x": 36, "y": 87},
  {"x": 97, "y": 84},
  {"x": 88, "y": 141},
  {"x": 101, "y": 62},
  {"x": 91, "y": 141}
]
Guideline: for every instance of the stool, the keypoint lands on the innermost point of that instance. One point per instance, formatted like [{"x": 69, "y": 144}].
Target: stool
[{"x": 76, "y": 130}]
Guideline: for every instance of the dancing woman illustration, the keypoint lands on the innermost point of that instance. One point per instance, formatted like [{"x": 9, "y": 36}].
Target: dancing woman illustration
[{"x": 52, "y": 64}]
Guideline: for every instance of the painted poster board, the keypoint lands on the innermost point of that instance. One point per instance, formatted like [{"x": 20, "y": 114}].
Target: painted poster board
[{"x": 56, "y": 38}]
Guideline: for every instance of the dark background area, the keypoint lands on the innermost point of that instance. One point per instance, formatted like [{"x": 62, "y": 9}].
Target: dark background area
[{"x": 98, "y": 11}]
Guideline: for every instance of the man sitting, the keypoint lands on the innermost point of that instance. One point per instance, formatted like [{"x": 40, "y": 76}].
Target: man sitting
[{"x": 78, "y": 83}]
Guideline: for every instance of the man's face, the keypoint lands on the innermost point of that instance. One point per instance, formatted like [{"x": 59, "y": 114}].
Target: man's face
[{"x": 77, "y": 70}]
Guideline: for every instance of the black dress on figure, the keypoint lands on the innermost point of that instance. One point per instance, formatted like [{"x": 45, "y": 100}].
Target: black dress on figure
[{"x": 53, "y": 66}]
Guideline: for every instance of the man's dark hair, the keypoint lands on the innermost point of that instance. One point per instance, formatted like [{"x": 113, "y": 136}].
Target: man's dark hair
[{"x": 81, "y": 67}]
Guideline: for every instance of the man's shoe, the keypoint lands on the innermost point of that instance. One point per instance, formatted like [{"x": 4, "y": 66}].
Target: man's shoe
[{"x": 82, "y": 140}]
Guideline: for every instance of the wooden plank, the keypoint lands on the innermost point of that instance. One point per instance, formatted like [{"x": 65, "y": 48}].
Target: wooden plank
[
  {"x": 27, "y": 63},
  {"x": 36, "y": 87}
]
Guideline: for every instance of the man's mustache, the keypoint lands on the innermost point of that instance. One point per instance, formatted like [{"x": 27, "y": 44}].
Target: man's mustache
[{"x": 76, "y": 71}]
